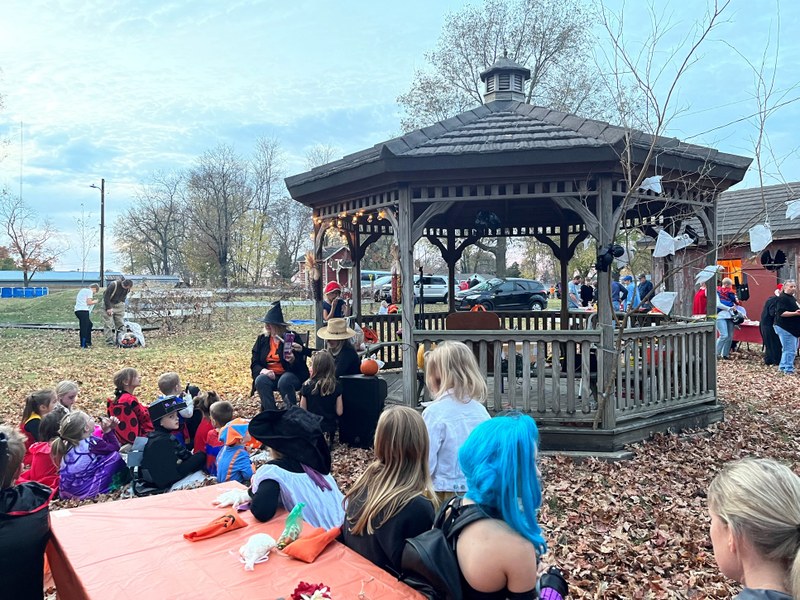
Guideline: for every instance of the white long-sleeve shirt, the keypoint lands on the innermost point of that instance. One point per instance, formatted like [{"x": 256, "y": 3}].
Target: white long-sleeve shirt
[{"x": 449, "y": 422}]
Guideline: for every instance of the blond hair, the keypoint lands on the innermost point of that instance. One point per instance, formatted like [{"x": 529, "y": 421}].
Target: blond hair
[
  {"x": 66, "y": 387},
  {"x": 72, "y": 430},
  {"x": 452, "y": 366},
  {"x": 12, "y": 455},
  {"x": 759, "y": 499},
  {"x": 167, "y": 382},
  {"x": 398, "y": 474}
]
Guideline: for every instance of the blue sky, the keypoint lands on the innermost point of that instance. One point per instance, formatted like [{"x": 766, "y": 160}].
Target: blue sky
[{"x": 118, "y": 89}]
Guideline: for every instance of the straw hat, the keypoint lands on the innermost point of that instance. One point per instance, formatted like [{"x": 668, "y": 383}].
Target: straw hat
[{"x": 336, "y": 329}]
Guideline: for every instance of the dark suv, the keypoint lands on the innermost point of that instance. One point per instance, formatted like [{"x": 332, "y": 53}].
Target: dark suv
[{"x": 507, "y": 294}]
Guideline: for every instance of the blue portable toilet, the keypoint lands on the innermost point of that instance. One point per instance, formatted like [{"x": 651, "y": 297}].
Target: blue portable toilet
[
  {"x": 45, "y": 291},
  {"x": 38, "y": 292},
  {"x": 6, "y": 292},
  {"x": 19, "y": 292},
  {"x": 29, "y": 292}
]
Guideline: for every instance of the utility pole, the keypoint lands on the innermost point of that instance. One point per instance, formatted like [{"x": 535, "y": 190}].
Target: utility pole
[{"x": 102, "y": 189}]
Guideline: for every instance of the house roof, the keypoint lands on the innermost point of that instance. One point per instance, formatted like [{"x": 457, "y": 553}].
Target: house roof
[
  {"x": 328, "y": 252},
  {"x": 510, "y": 133},
  {"x": 739, "y": 210}
]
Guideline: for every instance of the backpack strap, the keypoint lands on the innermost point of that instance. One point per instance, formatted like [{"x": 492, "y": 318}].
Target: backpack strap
[{"x": 454, "y": 516}]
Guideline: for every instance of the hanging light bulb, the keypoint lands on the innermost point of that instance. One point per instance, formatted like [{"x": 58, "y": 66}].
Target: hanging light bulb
[
  {"x": 355, "y": 219},
  {"x": 369, "y": 218},
  {"x": 381, "y": 214}
]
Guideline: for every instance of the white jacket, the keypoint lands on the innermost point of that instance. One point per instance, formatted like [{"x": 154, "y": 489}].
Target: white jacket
[{"x": 449, "y": 422}]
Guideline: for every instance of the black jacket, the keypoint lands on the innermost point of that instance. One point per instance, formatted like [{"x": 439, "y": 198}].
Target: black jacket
[
  {"x": 160, "y": 459},
  {"x": 258, "y": 360},
  {"x": 347, "y": 361},
  {"x": 114, "y": 294},
  {"x": 24, "y": 532}
]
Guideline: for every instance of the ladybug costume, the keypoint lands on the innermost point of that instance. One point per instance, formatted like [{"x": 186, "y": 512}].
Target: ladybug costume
[{"x": 134, "y": 420}]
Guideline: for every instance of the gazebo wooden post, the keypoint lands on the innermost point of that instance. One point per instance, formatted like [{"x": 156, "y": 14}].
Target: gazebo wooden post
[
  {"x": 319, "y": 243},
  {"x": 354, "y": 242},
  {"x": 563, "y": 261},
  {"x": 451, "y": 269},
  {"x": 404, "y": 235},
  {"x": 605, "y": 315}
]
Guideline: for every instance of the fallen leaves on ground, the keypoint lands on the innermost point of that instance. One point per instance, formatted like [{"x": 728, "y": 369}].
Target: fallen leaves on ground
[{"x": 631, "y": 529}]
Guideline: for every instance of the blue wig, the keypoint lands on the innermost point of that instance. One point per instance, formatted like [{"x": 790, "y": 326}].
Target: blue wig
[{"x": 499, "y": 461}]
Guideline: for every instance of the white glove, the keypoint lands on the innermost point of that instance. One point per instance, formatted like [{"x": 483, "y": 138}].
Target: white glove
[
  {"x": 232, "y": 498},
  {"x": 187, "y": 412}
]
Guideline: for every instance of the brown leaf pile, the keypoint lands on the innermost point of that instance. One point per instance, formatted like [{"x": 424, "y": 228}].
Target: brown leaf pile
[{"x": 630, "y": 529}]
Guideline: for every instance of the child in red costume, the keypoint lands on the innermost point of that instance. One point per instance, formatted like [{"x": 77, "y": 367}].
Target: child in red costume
[
  {"x": 43, "y": 469},
  {"x": 37, "y": 405},
  {"x": 134, "y": 420}
]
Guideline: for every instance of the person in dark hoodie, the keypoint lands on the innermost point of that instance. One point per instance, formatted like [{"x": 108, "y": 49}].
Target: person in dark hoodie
[
  {"x": 275, "y": 367},
  {"x": 772, "y": 343},
  {"x": 165, "y": 461},
  {"x": 24, "y": 522},
  {"x": 299, "y": 469}
]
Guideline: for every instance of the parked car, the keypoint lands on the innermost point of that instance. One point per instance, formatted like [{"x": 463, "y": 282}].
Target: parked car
[
  {"x": 506, "y": 294},
  {"x": 434, "y": 289},
  {"x": 375, "y": 287}
]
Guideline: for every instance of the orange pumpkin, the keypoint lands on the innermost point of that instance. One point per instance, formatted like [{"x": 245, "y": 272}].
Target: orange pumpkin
[{"x": 369, "y": 367}]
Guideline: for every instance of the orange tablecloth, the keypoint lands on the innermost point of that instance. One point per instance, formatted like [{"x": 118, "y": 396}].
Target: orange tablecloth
[{"x": 135, "y": 549}]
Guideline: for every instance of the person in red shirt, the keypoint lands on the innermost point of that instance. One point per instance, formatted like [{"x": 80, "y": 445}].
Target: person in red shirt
[
  {"x": 700, "y": 301},
  {"x": 43, "y": 469},
  {"x": 203, "y": 402},
  {"x": 134, "y": 420}
]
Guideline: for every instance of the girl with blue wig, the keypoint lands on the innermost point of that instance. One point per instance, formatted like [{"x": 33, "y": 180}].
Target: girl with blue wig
[{"x": 498, "y": 555}]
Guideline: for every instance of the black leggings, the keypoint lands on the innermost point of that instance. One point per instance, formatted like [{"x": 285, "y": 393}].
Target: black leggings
[{"x": 85, "y": 327}]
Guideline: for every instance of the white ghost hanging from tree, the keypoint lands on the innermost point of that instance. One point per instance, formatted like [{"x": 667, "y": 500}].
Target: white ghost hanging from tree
[
  {"x": 706, "y": 273},
  {"x": 651, "y": 184},
  {"x": 664, "y": 301},
  {"x": 793, "y": 208},
  {"x": 760, "y": 237}
]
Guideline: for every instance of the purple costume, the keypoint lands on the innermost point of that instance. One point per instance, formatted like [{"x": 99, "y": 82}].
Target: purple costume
[{"x": 89, "y": 468}]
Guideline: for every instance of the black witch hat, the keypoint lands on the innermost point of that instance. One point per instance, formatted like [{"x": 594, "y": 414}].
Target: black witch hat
[
  {"x": 274, "y": 315},
  {"x": 295, "y": 433}
]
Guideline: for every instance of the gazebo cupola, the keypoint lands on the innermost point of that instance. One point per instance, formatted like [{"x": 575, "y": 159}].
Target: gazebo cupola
[{"x": 505, "y": 80}]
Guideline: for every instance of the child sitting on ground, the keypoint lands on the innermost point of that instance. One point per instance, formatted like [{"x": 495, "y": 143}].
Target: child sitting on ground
[
  {"x": 322, "y": 393},
  {"x": 133, "y": 418},
  {"x": 233, "y": 461},
  {"x": 755, "y": 527},
  {"x": 455, "y": 382},
  {"x": 37, "y": 405},
  {"x": 220, "y": 413},
  {"x": 24, "y": 522},
  {"x": 43, "y": 469},
  {"x": 169, "y": 384},
  {"x": 167, "y": 463},
  {"x": 202, "y": 404},
  {"x": 66, "y": 394},
  {"x": 299, "y": 470},
  {"x": 88, "y": 465}
]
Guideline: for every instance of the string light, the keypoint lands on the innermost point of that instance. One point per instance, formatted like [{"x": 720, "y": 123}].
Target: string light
[
  {"x": 355, "y": 219},
  {"x": 369, "y": 218}
]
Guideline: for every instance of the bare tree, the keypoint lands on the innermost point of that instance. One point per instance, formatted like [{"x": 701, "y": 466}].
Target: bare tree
[
  {"x": 32, "y": 243},
  {"x": 320, "y": 154},
  {"x": 550, "y": 37},
  {"x": 87, "y": 237},
  {"x": 155, "y": 224},
  {"x": 292, "y": 226},
  {"x": 220, "y": 196}
]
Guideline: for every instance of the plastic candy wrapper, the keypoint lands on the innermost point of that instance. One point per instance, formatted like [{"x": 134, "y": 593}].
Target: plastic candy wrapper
[
  {"x": 256, "y": 550},
  {"x": 234, "y": 498},
  {"x": 294, "y": 524}
]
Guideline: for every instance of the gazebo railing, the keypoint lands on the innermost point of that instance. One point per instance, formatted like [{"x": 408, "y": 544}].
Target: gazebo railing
[
  {"x": 542, "y": 373},
  {"x": 553, "y": 375},
  {"x": 664, "y": 368}
]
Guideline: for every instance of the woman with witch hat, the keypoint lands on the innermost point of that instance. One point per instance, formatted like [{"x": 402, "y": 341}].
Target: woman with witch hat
[{"x": 273, "y": 366}]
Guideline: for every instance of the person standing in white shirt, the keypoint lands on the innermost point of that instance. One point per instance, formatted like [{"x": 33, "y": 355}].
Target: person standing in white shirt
[
  {"x": 455, "y": 381},
  {"x": 84, "y": 303}
]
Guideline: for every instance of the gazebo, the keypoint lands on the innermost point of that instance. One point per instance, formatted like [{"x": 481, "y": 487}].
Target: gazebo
[{"x": 510, "y": 169}]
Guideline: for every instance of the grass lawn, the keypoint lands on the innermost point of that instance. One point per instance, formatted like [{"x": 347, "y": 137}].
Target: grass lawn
[{"x": 58, "y": 307}]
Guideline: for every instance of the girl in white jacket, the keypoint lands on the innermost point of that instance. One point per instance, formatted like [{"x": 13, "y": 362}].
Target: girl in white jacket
[{"x": 459, "y": 390}]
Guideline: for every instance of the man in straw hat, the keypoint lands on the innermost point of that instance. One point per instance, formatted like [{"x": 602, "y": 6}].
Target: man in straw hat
[
  {"x": 337, "y": 336},
  {"x": 275, "y": 364}
]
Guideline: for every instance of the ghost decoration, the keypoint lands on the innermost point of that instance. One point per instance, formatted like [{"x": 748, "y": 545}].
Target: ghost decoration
[
  {"x": 793, "y": 208},
  {"x": 625, "y": 259},
  {"x": 664, "y": 301},
  {"x": 666, "y": 244},
  {"x": 651, "y": 184},
  {"x": 706, "y": 273},
  {"x": 760, "y": 237}
]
